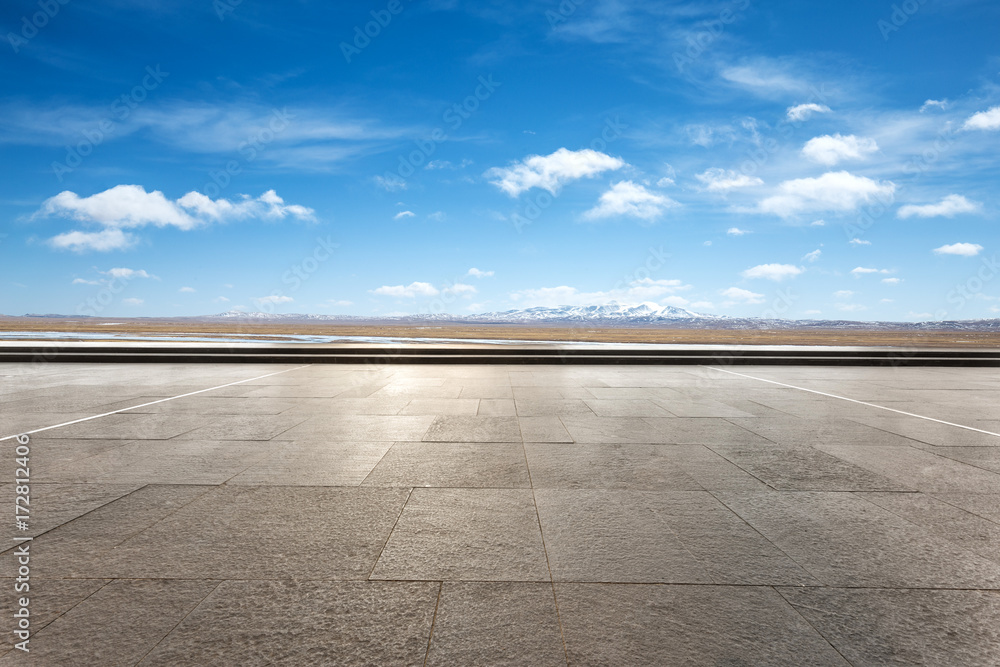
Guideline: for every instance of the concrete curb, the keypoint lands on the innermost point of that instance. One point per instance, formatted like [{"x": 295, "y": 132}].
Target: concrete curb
[{"x": 450, "y": 354}]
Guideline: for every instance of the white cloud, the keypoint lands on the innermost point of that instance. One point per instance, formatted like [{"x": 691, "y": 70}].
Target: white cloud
[
  {"x": 647, "y": 288},
  {"x": 476, "y": 273},
  {"x": 833, "y": 191},
  {"x": 812, "y": 256},
  {"x": 984, "y": 120},
  {"x": 948, "y": 207},
  {"x": 188, "y": 290},
  {"x": 551, "y": 172},
  {"x": 818, "y": 223},
  {"x": 122, "y": 206},
  {"x": 81, "y": 281},
  {"x": 801, "y": 112},
  {"x": 720, "y": 180},
  {"x": 437, "y": 216},
  {"x": 128, "y": 274},
  {"x": 892, "y": 281},
  {"x": 736, "y": 231},
  {"x": 707, "y": 136},
  {"x": 637, "y": 291},
  {"x": 268, "y": 205},
  {"x": 843, "y": 294},
  {"x": 130, "y": 206},
  {"x": 859, "y": 242},
  {"x": 628, "y": 198},
  {"x": 742, "y": 295},
  {"x": 446, "y": 164},
  {"x": 132, "y": 301},
  {"x": 403, "y": 214},
  {"x": 103, "y": 241},
  {"x": 664, "y": 182},
  {"x": 962, "y": 249},
  {"x": 777, "y": 272},
  {"x": 459, "y": 288},
  {"x": 220, "y": 299},
  {"x": 390, "y": 184},
  {"x": 766, "y": 77},
  {"x": 829, "y": 150},
  {"x": 272, "y": 299},
  {"x": 410, "y": 291},
  {"x": 931, "y": 104},
  {"x": 862, "y": 270}
]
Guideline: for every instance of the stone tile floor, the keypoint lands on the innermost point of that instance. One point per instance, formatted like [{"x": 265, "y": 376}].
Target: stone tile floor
[{"x": 505, "y": 515}]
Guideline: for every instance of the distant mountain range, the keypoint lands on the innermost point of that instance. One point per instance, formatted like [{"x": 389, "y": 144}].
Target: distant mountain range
[
  {"x": 619, "y": 315},
  {"x": 613, "y": 312}
]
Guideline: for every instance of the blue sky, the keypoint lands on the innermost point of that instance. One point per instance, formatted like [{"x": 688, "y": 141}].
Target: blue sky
[{"x": 743, "y": 158}]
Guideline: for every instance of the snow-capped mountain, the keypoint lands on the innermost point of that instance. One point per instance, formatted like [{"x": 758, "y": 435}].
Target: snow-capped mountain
[
  {"x": 612, "y": 312},
  {"x": 615, "y": 315},
  {"x": 609, "y": 312}
]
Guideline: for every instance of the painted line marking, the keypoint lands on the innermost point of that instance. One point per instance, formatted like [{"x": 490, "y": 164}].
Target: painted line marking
[
  {"x": 854, "y": 400},
  {"x": 162, "y": 400}
]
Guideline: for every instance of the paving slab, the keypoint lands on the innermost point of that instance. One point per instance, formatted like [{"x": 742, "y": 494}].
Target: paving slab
[
  {"x": 472, "y": 429},
  {"x": 117, "y": 625},
  {"x": 313, "y": 463},
  {"x": 904, "y": 627},
  {"x": 465, "y": 535},
  {"x": 621, "y": 624},
  {"x": 303, "y": 623},
  {"x": 645, "y": 537},
  {"x": 496, "y": 623},
  {"x": 451, "y": 464},
  {"x": 593, "y": 466},
  {"x": 787, "y": 468},
  {"x": 843, "y": 540}
]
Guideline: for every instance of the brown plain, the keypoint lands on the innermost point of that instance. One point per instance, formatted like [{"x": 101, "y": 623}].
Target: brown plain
[{"x": 180, "y": 327}]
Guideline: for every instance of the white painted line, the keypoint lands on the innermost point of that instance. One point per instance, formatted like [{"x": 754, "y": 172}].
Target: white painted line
[
  {"x": 162, "y": 400},
  {"x": 852, "y": 400}
]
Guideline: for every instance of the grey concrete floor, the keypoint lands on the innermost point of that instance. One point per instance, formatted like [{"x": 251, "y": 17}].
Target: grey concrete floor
[{"x": 506, "y": 515}]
